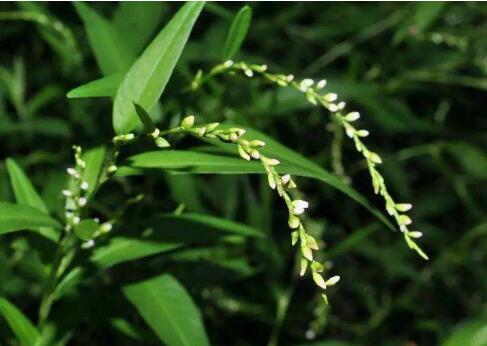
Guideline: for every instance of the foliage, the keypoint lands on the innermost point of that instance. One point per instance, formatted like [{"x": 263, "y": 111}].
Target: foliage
[{"x": 181, "y": 166}]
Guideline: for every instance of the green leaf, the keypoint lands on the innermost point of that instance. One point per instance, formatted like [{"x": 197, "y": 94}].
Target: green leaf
[
  {"x": 86, "y": 228},
  {"x": 144, "y": 118},
  {"x": 472, "y": 159},
  {"x": 15, "y": 217},
  {"x": 103, "y": 87},
  {"x": 191, "y": 228},
  {"x": 136, "y": 22},
  {"x": 122, "y": 249},
  {"x": 26, "y": 194},
  {"x": 109, "y": 48},
  {"x": 94, "y": 159},
  {"x": 23, "y": 329},
  {"x": 291, "y": 162},
  {"x": 169, "y": 310},
  {"x": 148, "y": 76},
  {"x": 194, "y": 162},
  {"x": 237, "y": 33},
  {"x": 471, "y": 333}
]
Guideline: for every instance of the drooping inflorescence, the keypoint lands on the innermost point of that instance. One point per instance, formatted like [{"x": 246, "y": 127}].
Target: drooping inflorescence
[
  {"x": 317, "y": 95},
  {"x": 251, "y": 150}
]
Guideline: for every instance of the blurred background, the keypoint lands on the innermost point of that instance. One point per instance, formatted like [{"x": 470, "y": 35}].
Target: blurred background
[{"x": 417, "y": 72}]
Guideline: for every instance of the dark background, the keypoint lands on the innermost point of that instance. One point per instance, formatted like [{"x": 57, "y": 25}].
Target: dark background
[{"x": 417, "y": 72}]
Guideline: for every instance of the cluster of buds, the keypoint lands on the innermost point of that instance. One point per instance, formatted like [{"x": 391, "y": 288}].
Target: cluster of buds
[
  {"x": 76, "y": 194},
  {"x": 329, "y": 100},
  {"x": 396, "y": 210},
  {"x": 94, "y": 229},
  {"x": 123, "y": 139}
]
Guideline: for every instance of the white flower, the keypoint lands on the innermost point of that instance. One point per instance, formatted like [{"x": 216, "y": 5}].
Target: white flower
[
  {"x": 71, "y": 171},
  {"x": 332, "y": 107},
  {"x": 321, "y": 84},
  {"x": 76, "y": 220},
  {"x": 248, "y": 72},
  {"x": 290, "y": 78},
  {"x": 341, "y": 105},
  {"x": 330, "y": 97},
  {"x": 106, "y": 227},
  {"x": 188, "y": 122},
  {"x": 285, "y": 179},
  {"x": 228, "y": 63},
  {"x": 255, "y": 154},
  {"x": 415, "y": 234},
  {"x": 155, "y": 133},
  {"x": 362, "y": 133},
  {"x": 318, "y": 279},
  {"x": 403, "y": 207},
  {"x": 84, "y": 185},
  {"x": 299, "y": 206},
  {"x": 305, "y": 84},
  {"x": 352, "y": 116},
  {"x": 333, "y": 280},
  {"x": 67, "y": 193},
  {"x": 82, "y": 201},
  {"x": 257, "y": 143},
  {"x": 88, "y": 244}
]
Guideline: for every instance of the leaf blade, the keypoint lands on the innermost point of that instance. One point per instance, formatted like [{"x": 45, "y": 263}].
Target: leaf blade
[
  {"x": 103, "y": 87},
  {"x": 108, "y": 47},
  {"x": 15, "y": 217},
  {"x": 238, "y": 31},
  {"x": 26, "y": 194},
  {"x": 169, "y": 310},
  {"x": 148, "y": 76},
  {"x": 23, "y": 329}
]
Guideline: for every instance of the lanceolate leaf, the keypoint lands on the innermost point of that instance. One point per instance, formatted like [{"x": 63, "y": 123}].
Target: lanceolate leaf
[
  {"x": 123, "y": 249},
  {"x": 291, "y": 162},
  {"x": 170, "y": 232},
  {"x": 94, "y": 159},
  {"x": 108, "y": 47},
  {"x": 23, "y": 329},
  {"x": 26, "y": 194},
  {"x": 136, "y": 21},
  {"x": 103, "y": 87},
  {"x": 237, "y": 33},
  {"x": 24, "y": 191},
  {"x": 169, "y": 310},
  {"x": 148, "y": 76},
  {"x": 15, "y": 217}
]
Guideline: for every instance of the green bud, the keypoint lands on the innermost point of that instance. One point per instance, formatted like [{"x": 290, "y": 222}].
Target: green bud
[
  {"x": 293, "y": 221},
  {"x": 188, "y": 122},
  {"x": 161, "y": 142}
]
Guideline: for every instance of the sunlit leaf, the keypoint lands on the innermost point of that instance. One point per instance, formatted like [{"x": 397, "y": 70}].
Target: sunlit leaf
[
  {"x": 169, "y": 310},
  {"x": 148, "y": 76}
]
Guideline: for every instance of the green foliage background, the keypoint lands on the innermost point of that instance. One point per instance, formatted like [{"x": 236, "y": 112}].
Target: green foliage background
[{"x": 417, "y": 72}]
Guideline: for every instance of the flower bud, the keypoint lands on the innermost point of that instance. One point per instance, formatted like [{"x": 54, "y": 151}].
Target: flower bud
[
  {"x": 333, "y": 280},
  {"x": 188, "y": 122},
  {"x": 161, "y": 142},
  {"x": 318, "y": 279}
]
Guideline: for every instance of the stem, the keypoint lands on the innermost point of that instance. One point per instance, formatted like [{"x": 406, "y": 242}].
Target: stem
[{"x": 62, "y": 258}]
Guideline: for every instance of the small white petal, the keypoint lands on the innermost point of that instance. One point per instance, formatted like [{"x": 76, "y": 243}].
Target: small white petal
[
  {"x": 321, "y": 84},
  {"x": 82, "y": 201},
  {"x": 352, "y": 116},
  {"x": 285, "y": 179},
  {"x": 333, "y": 280},
  {"x": 67, "y": 193},
  {"x": 415, "y": 234}
]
